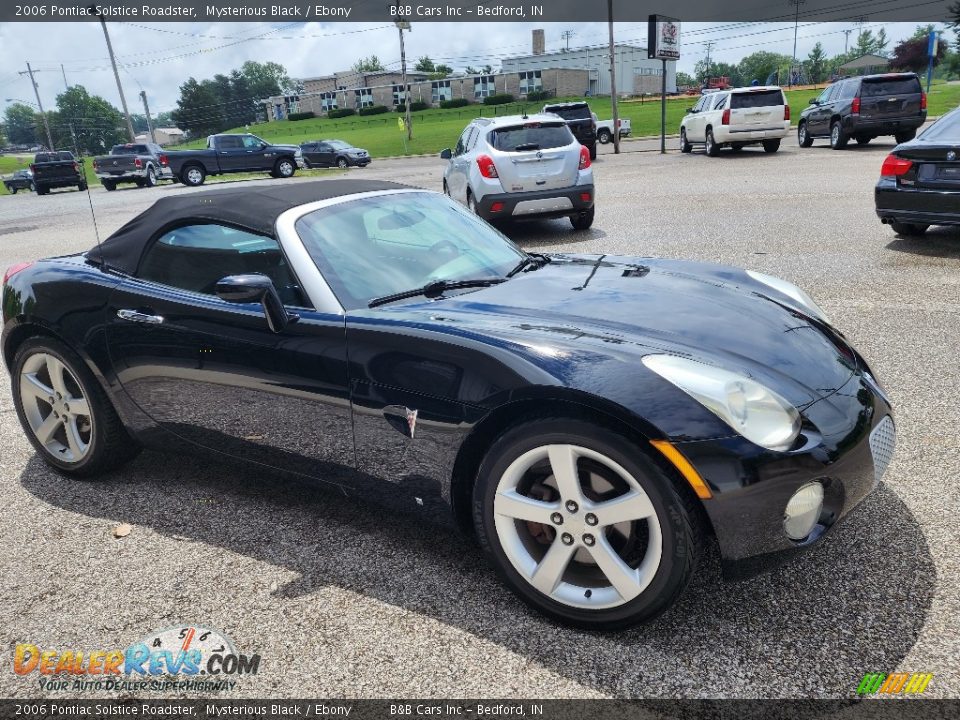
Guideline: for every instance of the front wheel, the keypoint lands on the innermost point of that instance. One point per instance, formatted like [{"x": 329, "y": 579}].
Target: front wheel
[
  {"x": 909, "y": 229},
  {"x": 803, "y": 137},
  {"x": 13, "y": 190},
  {"x": 342, "y": 163},
  {"x": 583, "y": 526},
  {"x": 284, "y": 168},
  {"x": 583, "y": 221},
  {"x": 771, "y": 146},
  {"x": 65, "y": 413},
  {"x": 685, "y": 145},
  {"x": 604, "y": 136}
]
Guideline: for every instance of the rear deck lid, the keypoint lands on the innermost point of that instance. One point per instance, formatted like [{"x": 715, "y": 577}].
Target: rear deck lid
[
  {"x": 889, "y": 97},
  {"x": 535, "y": 155},
  {"x": 760, "y": 109}
]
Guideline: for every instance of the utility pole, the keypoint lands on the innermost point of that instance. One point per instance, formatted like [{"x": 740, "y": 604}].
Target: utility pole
[
  {"x": 36, "y": 93},
  {"x": 846, "y": 40},
  {"x": 566, "y": 35},
  {"x": 613, "y": 80},
  {"x": 146, "y": 111},
  {"x": 709, "y": 45},
  {"x": 404, "y": 24},
  {"x": 66, "y": 85},
  {"x": 116, "y": 75},
  {"x": 796, "y": 24}
]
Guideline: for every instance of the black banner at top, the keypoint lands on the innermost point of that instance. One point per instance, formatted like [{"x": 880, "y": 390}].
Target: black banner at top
[{"x": 472, "y": 10}]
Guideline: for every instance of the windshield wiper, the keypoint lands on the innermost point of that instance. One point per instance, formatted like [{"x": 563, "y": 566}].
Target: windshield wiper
[
  {"x": 526, "y": 146},
  {"x": 532, "y": 261},
  {"x": 436, "y": 289}
]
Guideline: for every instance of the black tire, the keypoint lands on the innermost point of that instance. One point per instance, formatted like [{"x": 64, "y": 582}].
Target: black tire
[
  {"x": 605, "y": 136},
  {"x": 682, "y": 535},
  {"x": 838, "y": 138},
  {"x": 82, "y": 187},
  {"x": 472, "y": 203},
  {"x": 140, "y": 183},
  {"x": 711, "y": 147},
  {"x": 13, "y": 190},
  {"x": 909, "y": 229},
  {"x": 342, "y": 163},
  {"x": 446, "y": 189},
  {"x": 151, "y": 179},
  {"x": 685, "y": 145},
  {"x": 863, "y": 139},
  {"x": 905, "y": 136},
  {"x": 285, "y": 167},
  {"x": 771, "y": 146},
  {"x": 193, "y": 175},
  {"x": 593, "y": 151},
  {"x": 42, "y": 190},
  {"x": 584, "y": 220},
  {"x": 803, "y": 137},
  {"x": 110, "y": 446},
  {"x": 109, "y": 185}
]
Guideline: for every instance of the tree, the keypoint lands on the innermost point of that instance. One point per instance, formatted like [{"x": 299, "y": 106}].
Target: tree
[
  {"x": 685, "y": 80},
  {"x": 759, "y": 65},
  {"x": 266, "y": 79},
  {"x": 911, "y": 54},
  {"x": 470, "y": 70},
  {"x": 881, "y": 42},
  {"x": 425, "y": 64},
  {"x": 197, "y": 108},
  {"x": 955, "y": 22},
  {"x": 370, "y": 64},
  {"x": 488, "y": 70},
  {"x": 923, "y": 31},
  {"x": 20, "y": 122},
  {"x": 866, "y": 43},
  {"x": 816, "y": 65},
  {"x": 88, "y": 121}
]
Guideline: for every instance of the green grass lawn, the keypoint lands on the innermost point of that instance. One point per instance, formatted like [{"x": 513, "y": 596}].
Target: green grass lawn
[{"x": 437, "y": 129}]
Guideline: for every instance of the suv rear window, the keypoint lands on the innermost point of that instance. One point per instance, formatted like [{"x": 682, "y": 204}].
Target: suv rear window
[
  {"x": 756, "y": 98},
  {"x": 890, "y": 86},
  {"x": 533, "y": 136},
  {"x": 577, "y": 112},
  {"x": 130, "y": 150}
]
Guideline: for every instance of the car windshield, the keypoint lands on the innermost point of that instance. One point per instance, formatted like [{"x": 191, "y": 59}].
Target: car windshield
[
  {"x": 377, "y": 246},
  {"x": 531, "y": 136},
  {"x": 339, "y": 144},
  {"x": 946, "y": 129},
  {"x": 878, "y": 87},
  {"x": 578, "y": 112},
  {"x": 756, "y": 98}
]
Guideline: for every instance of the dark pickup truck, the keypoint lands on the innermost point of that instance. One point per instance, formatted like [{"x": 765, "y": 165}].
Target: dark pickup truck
[
  {"x": 56, "y": 169},
  {"x": 234, "y": 154},
  {"x": 143, "y": 164},
  {"x": 580, "y": 120}
]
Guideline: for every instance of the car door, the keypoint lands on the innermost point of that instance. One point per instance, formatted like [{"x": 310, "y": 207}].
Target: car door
[
  {"x": 694, "y": 124},
  {"x": 325, "y": 154},
  {"x": 211, "y": 372},
  {"x": 231, "y": 154},
  {"x": 818, "y": 123}
]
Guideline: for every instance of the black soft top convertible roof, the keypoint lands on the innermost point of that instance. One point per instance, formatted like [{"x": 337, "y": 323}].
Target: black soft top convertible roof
[{"x": 252, "y": 208}]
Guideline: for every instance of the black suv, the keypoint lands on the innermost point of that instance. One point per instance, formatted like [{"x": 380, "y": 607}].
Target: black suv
[
  {"x": 580, "y": 120},
  {"x": 864, "y": 108}
]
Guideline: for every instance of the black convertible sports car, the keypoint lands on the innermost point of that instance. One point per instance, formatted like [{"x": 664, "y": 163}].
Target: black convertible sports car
[
  {"x": 919, "y": 182},
  {"x": 591, "y": 418}
]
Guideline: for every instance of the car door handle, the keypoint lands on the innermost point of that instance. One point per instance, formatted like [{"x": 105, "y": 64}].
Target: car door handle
[{"x": 137, "y": 316}]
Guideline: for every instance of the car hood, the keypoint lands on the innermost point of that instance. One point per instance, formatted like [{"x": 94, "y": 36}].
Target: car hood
[{"x": 711, "y": 313}]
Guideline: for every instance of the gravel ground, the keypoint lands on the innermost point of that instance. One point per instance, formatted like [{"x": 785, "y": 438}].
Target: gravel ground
[{"x": 352, "y": 600}]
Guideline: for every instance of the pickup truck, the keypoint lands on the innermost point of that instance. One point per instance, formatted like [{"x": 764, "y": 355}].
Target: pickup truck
[
  {"x": 580, "y": 120},
  {"x": 141, "y": 163},
  {"x": 234, "y": 153},
  {"x": 56, "y": 169},
  {"x": 605, "y": 129}
]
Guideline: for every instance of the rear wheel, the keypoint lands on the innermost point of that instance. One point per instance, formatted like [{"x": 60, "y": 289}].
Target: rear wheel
[
  {"x": 583, "y": 526},
  {"x": 905, "y": 136},
  {"x": 151, "y": 180},
  {"x": 711, "y": 146},
  {"x": 604, "y": 136},
  {"x": 65, "y": 413},
  {"x": 583, "y": 221},
  {"x": 82, "y": 186},
  {"x": 42, "y": 189},
  {"x": 908, "y": 229},
  {"x": 110, "y": 185},
  {"x": 838, "y": 138},
  {"x": 193, "y": 175},
  {"x": 685, "y": 145},
  {"x": 771, "y": 146},
  {"x": 803, "y": 137},
  {"x": 472, "y": 204}
]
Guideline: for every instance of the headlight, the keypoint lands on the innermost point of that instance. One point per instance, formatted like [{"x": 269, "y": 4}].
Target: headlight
[
  {"x": 791, "y": 291},
  {"x": 755, "y": 412}
]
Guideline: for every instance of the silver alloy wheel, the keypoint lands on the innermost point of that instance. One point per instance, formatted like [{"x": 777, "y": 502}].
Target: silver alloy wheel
[
  {"x": 803, "y": 133},
  {"x": 606, "y": 543},
  {"x": 708, "y": 145},
  {"x": 342, "y": 163},
  {"x": 286, "y": 168},
  {"x": 194, "y": 176},
  {"x": 151, "y": 177},
  {"x": 835, "y": 134},
  {"x": 683, "y": 139},
  {"x": 56, "y": 408}
]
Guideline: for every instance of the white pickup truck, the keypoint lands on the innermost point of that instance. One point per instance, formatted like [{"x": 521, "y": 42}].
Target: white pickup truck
[{"x": 605, "y": 129}]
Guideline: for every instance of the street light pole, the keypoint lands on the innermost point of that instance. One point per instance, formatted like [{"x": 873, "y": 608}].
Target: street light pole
[
  {"x": 404, "y": 24},
  {"x": 116, "y": 75},
  {"x": 796, "y": 24},
  {"x": 613, "y": 80},
  {"x": 36, "y": 93}
]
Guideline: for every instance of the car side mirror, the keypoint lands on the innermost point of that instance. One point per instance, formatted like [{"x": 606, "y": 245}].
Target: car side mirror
[
  {"x": 256, "y": 289},
  {"x": 814, "y": 102},
  {"x": 446, "y": 154}
]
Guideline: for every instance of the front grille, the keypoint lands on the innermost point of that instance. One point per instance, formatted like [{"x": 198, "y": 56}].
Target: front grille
[{"x": 883, "y": 441}]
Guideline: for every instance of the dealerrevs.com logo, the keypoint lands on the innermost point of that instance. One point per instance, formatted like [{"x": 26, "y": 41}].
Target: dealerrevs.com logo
[{"x": 188, "y": 657}]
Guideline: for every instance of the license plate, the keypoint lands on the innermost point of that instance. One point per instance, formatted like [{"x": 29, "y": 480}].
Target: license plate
[{"x": 949, "y": 173}]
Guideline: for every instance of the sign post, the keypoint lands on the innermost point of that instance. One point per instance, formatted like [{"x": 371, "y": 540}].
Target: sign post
[
  {"x": 663, "y": 43},
  {"x": 933, "y": 42}
]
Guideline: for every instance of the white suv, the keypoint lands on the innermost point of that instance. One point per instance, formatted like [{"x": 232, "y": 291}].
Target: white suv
[
  {"x": 736, "y": 118},
  {"x": 519, "y": 167}
]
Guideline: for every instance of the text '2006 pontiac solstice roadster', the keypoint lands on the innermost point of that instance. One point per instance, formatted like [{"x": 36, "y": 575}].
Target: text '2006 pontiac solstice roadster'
[{"x": 592, "y": 419}]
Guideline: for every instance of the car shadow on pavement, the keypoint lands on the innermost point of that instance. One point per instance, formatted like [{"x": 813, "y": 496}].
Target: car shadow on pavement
[
  {"x": 852, "y": 604},
  {"x": 941, "y": 241}
]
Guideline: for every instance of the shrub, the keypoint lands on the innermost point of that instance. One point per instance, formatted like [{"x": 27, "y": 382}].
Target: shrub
[
  {"x": 455, "y": 103},
  {"x": 539, "y": 95},
  {"x": 373, "y": 110},
  {"x": 301, "y": 115},
  {"x": 415, "y": 106},
  {"x": 498, "y": 99},
  {"x": 345, "y": 112}
]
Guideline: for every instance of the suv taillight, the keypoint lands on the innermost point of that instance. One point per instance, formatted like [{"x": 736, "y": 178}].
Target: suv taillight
[
  {"x": 725, "y": 120},
  {"x": 33, "y": 167},
  {"x": 923, "y": 101},
  {"x": 14, "y": 269},
  {"x": 163, "y": 159},
  {"x": 855, "y": 105},
  {"x": 786, "y": 112},
  {"x": 584, "y": 157},
  {"x": 895, "y": 166},
  {"x": 487, "y": 168},
  {"x": 137, "y": 163}
]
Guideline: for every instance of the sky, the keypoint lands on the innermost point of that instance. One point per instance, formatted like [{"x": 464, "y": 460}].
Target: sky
[{"x": 158, "y": 57}]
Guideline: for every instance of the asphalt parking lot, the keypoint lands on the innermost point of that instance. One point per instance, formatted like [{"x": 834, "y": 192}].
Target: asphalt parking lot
[{"x": 348, "y": 600}]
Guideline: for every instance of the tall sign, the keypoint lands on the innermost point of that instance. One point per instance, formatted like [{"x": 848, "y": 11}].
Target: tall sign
[{"x": 663, "y": 43}]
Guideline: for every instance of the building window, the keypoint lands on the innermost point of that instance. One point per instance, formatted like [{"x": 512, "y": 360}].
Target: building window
[
  {"x": 440, "y": 91},
  {"x": 530, "y": 82},
  {"x": 398, "y": 95},
  {"x": 363, "y": 97},
  {"x": 484, "y": 86},
  {"x": 328, "y": 101},
  {"x": 293, "y": 103}
]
